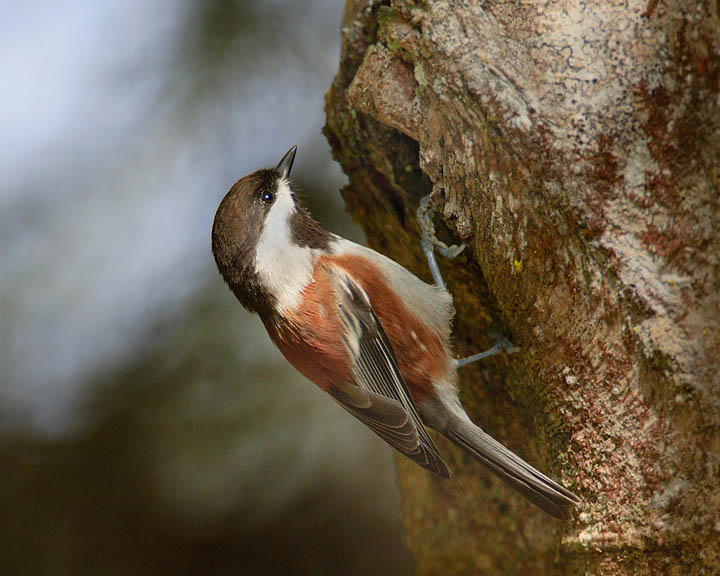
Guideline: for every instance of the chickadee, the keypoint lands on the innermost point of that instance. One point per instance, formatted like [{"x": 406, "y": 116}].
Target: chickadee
[{"x": 360, "y": 326}]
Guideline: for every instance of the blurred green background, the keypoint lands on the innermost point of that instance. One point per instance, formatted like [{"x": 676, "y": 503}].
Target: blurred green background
[{"x": 147, "y": 424}]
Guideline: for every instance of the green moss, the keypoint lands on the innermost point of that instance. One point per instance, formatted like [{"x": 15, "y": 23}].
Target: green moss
[
  {"x": 385, "y": 14},
  {"x": 420, "y": 74},
  {"x": 393, "y": 46}
]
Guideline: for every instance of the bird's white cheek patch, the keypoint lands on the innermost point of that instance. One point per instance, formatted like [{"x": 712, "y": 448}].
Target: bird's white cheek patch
[{"x": 284, "y": 268}]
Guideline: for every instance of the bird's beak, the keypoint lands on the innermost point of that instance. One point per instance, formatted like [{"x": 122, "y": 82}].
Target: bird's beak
[{"x": 285, "y": 165}]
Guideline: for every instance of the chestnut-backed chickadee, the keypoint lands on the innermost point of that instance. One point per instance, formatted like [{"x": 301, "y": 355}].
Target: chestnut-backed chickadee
[{"x": 360, "y": 326}]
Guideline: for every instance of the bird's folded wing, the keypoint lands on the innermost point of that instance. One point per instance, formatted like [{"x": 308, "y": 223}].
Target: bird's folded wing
[{"x": 379, "y": 397}]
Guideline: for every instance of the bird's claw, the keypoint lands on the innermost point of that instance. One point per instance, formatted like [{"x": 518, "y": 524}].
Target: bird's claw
[{"x": 429, "y": 239}]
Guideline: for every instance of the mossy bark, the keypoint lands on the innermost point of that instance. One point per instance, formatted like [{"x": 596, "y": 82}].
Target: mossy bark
[{"x": 576, "y": 149}]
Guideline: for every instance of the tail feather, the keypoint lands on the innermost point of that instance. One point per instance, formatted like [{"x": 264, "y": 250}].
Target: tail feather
[{"x": 531, "y": 483}]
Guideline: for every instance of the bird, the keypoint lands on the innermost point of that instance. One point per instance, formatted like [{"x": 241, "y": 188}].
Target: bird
[{"x": 360, "y": 326}]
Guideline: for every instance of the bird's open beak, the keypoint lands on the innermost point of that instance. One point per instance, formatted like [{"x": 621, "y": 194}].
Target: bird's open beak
[{"x": 285, "y": 165}]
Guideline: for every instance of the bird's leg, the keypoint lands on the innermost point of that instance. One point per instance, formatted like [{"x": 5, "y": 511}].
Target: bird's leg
[
  {"x": 502, "y": 344},
  {"x": 429, "y": 243}
]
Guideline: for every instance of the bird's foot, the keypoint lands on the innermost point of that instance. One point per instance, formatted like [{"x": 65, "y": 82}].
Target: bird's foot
[
  {"x": 430, "y": 241},
  {"x": 502, "y": 344}
]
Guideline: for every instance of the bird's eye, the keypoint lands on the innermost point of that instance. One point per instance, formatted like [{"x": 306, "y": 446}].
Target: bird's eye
[{"x": 267, "y": 198}]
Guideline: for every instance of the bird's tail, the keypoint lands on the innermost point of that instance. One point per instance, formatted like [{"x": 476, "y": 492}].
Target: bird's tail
[{"x": 531, "y": 483}]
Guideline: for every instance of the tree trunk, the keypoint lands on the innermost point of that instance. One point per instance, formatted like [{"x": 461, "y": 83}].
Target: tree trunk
[{"x": 575, "y": 147}]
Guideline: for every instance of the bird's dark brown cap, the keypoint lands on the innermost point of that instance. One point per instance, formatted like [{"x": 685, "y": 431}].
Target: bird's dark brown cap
[{"x": 238, "y": 226}]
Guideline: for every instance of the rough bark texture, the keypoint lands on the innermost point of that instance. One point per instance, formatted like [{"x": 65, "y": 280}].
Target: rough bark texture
[{"x": 576, "y": 148}]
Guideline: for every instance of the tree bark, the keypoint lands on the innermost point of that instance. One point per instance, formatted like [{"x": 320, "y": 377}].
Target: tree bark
[{"x": 575, "y": 147}]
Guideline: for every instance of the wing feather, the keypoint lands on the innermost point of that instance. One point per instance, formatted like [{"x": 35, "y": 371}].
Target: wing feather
[{"x": 379, "y": 397}]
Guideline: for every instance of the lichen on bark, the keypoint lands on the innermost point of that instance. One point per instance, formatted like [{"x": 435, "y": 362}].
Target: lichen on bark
[{"x": 576, "y": 148}]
